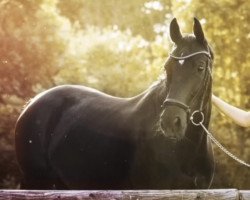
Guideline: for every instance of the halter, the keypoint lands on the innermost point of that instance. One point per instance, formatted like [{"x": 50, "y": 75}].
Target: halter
[
  {"x": 200, "y": 113},
  {"x": 182, "y": 105}
]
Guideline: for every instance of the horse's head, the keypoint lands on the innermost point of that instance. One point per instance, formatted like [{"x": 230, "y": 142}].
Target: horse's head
[{"x": 188, "y": 81}]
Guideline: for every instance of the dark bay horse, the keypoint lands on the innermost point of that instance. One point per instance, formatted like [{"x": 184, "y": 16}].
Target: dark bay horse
[{"x": 75, "y": 137}]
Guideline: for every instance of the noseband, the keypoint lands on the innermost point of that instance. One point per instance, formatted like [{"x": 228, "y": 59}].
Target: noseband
[{"x": 186, "y": 108}]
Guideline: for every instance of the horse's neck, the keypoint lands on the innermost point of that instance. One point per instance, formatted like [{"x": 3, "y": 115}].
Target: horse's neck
[
  {"x": 197, "y": 133},
  {"x": 147, "y": 105}
]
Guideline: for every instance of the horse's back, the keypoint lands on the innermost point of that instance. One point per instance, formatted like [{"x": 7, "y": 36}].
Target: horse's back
[
  {"x": 62, "y": 134},
  {"x": 44, "y": 111}
]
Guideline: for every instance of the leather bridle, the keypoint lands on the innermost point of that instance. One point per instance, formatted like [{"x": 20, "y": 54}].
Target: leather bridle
[{"x": 186, "y": 108}]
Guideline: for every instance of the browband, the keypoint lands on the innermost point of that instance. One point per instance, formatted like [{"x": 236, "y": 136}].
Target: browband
[{"x": 190, "y": 55}]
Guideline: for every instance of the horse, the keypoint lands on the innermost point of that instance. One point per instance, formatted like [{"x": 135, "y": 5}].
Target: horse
[{"x": 76, "y": 137}]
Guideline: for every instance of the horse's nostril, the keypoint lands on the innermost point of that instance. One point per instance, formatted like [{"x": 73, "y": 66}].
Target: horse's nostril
[{"x": 177, "y": 122}]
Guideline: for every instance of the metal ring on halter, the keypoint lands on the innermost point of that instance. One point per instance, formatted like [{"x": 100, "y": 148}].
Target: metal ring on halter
[{"x": 201, "y": 118}]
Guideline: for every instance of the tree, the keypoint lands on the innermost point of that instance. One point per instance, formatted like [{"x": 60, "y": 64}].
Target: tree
[
  {"x": 139, "y": 16},
  {"x": 118, "y": 47}
]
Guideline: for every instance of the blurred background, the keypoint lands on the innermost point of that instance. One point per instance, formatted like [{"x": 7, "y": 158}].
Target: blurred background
[{"x": 119, "y": 47}]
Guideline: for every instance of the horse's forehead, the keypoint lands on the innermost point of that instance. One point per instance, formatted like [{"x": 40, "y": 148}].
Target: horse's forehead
[{"x": 189, "y": 44}]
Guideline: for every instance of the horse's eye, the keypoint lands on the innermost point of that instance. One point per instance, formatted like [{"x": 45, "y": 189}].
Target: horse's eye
[{"x": 201, "y": 66}]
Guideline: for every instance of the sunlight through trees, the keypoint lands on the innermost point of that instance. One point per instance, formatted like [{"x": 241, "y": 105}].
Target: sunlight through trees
[{"x": 119, "y": 47}]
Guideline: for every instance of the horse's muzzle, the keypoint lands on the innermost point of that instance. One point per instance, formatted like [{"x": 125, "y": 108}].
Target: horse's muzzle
[{"x": 173, "y": 121}]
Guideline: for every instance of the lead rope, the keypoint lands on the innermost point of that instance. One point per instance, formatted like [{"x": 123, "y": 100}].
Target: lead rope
[{"x": 214, "y": 139}]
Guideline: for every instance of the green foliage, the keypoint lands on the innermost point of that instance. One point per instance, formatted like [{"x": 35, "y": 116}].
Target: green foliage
[
  {"x": 106, "y": 58},
  {"x": 118, "y": 47},
  {"x": 139, "y": 16}
]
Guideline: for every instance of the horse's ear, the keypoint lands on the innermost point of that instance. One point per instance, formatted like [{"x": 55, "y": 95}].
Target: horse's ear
[
  {"x": 198, "y": 32},
  {"x": 175, "y": 33}
]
